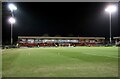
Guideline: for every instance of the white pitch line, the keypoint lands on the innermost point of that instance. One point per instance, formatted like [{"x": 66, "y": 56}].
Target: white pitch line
[{"x": 101, "y": 55}]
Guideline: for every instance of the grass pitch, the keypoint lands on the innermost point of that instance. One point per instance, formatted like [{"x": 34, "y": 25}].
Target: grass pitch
[{"x": 61, "y": 62}]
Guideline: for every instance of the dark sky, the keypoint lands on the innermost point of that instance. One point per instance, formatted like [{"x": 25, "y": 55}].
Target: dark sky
[{"x": 61, "y": 18}]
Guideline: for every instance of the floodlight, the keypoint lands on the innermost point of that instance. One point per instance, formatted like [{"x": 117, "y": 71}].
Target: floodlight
[
  {"x": 111, "y": 9},
  {"x": 12, "y": 7},
  {"x": 12, "y": 20}
]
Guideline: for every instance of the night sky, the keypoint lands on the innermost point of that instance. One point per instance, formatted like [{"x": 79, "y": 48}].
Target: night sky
[{"x": 60, "y": 19}]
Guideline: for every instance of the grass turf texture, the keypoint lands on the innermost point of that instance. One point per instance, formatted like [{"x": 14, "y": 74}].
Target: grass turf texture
[{"x": 61, "y": 62}]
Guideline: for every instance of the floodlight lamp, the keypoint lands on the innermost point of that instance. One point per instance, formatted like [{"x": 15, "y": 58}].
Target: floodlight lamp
[
  {"x": 12, "y": 20},
  {"x": 111, "y": 9},
  {"x": 12, "y": 7}
]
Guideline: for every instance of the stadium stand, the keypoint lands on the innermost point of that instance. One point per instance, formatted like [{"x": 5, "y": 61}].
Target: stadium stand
[{"x": 38, "y": 41}]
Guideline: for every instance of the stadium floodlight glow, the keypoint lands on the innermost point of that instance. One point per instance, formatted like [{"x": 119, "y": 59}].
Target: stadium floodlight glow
[
  {"x": 12, "y": 20},
  {"x": 12, "y": 7},
  {"x": 111, "y": 9}
]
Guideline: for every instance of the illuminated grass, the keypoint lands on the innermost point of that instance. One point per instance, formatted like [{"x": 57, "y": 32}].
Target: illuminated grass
[{"x": 61, "y": 62}]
